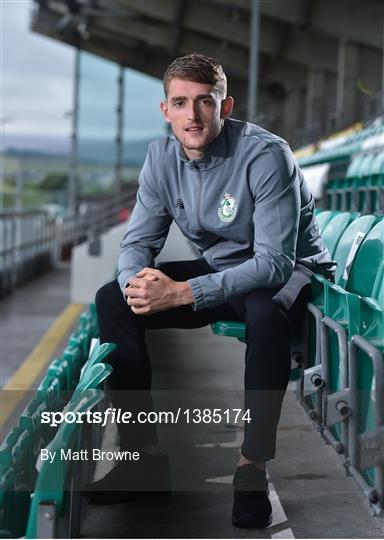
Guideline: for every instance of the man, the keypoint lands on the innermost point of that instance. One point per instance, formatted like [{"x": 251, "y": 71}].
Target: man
[{"x": 236, "y": 191}]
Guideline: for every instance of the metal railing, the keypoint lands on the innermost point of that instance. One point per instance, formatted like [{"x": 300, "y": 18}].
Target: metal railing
[{"x": 33, "y": 241}]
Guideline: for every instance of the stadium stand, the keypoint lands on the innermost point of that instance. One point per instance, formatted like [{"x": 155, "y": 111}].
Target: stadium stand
[{"x": 338, "y": 359}]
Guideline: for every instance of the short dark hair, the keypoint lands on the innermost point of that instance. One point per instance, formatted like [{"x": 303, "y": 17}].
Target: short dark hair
[{"x": 197, "y": 68}]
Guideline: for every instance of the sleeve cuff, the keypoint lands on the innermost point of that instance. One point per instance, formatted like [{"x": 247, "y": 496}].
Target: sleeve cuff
[
  {"x": 123, "y": 282},
  {"x": 198, "y": 294}
]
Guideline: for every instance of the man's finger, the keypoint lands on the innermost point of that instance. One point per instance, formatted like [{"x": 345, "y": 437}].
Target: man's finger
[
  {"x": 139, "y": 283},
  {"x": 148, "y": 275},
  {"x": 136, "y": 301},
  {"x": 150, "y": 272},
  {"x": 141, "y": 310},
  {"x": 135, "y": 292}
]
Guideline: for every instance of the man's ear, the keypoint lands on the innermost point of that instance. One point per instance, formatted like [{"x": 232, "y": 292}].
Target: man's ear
[
  {"x": 227, "y": 107},
  {"x": 164, "y": 110}
]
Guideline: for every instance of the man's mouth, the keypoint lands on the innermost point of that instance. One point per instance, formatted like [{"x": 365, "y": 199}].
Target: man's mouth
[{"x": 194, "y": 129}]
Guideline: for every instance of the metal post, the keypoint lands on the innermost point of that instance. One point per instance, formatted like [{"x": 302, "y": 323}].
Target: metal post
[
  {"x": 253, "y": 60},
  {"x": 341, "y": 59},
  {"x": 119, "y": 136},
  {"x": 309, "y": 100},
  {"x": 18, "y": 202},
  {"x": 72, "y": 184}
]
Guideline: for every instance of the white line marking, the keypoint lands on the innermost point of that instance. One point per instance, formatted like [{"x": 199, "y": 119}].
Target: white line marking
[
  {"x": 279, "y": 515},
  {"x": 286, "y": 533},
  {"x": 221, "y": 479}
]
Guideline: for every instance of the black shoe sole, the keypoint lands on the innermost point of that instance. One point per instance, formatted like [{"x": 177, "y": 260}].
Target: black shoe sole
[{"x": 249, "y": 521}]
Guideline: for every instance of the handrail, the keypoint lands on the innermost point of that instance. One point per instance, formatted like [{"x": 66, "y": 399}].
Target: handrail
[{"x": 32, "y": 241}]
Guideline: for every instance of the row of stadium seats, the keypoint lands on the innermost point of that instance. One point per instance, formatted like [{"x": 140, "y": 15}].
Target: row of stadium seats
[
  {"x": 342, "y": 385},
  {"x": 342, "y": 373},
  {"x": 36, "y": 503},
  {"x": 362, "y": 187},
  {"x": 345, "y": 145}
]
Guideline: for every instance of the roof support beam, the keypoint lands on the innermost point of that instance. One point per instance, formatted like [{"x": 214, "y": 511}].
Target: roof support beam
[{"x": 358, "y": 22}]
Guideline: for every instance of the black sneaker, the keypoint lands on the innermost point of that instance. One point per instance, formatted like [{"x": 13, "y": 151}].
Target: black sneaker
[
  {"x": 131, "y": 480},
  {"x": 251, "y": 506}
]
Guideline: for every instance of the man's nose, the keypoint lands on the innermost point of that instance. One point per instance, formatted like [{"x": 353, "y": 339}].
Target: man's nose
[{"x": 193, "y": 112}]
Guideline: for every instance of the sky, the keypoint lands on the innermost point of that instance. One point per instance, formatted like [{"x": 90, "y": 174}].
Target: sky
[
  {"x": 37, "y": 86},
  {"x": 37, "y": 76}
]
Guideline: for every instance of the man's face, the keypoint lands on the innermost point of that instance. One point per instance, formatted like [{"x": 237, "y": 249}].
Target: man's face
[{"x": 196, "y": 112}]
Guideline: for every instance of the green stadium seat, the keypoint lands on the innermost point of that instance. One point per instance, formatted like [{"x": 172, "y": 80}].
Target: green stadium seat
[
  {"x": 52, "y": 393},
  {"x": 353, "y": 172},
  {"x": 362, "y": 182},
  {"x": 366, "y": 422},
  {"x": 323, "y": 218},
  {"x": 16, "y": 454},
  {"x": 93, "y": 316},
  {"x": 7, "y": 504},
  {"x": 335, "y": 228},
  {"x": 92, "y": 378},
  {"x": 376, "y": 182},
  {"x": 344, "y": 315},
  {"x": 348, "y": 246},
  {"x": 361, "y": 280},
  {"x": 74, "y": 357},
  {"x": 368, "y": 376},
  {"x": 14, "y": 505},
  {"x": 82, "y": 340},
  {"x": 62, "y": 369},
  {"x": 56, "y": 497},
  {"x": 98, "y": 354},
  {"x": 40, "y": 434},
  {"x": 344, "y": 256}
]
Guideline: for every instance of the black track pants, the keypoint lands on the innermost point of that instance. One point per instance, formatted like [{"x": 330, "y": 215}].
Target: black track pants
[{"x": 267, "y": 356}]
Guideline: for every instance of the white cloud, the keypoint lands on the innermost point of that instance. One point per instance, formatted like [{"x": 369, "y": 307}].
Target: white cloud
[
  {"x": 37, "y": 89},
  {"x": 37, "y": 75}
]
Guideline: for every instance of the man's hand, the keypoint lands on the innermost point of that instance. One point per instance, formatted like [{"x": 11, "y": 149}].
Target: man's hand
[{"x": 152, "y": 291}]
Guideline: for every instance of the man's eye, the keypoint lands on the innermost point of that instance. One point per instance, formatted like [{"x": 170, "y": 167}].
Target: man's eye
[
  {"x": 206, "y": 101},
  {"x": 178, "y": 104}
]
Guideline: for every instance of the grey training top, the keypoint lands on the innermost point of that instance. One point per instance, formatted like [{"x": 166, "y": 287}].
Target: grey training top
[{"x": 244, "y": 204}]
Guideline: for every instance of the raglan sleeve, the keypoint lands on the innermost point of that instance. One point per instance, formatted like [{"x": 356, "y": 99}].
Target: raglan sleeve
[
  {"x": 275, "y": 183},
  {"x": 147, "y": 230}
]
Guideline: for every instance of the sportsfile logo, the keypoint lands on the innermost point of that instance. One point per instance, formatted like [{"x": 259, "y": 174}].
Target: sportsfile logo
[
  {"x": 117, "y": 416},
  {"x": 110, "y": 415}
]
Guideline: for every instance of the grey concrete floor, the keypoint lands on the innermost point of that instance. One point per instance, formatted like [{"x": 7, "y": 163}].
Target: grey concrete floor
[
  {"x": 27, "y": 313},
  {"x": 25, "y": 316},
  {"x": 194, "y": 368}
]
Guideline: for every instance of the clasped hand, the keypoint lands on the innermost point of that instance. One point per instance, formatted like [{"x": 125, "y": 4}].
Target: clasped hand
[{"x": 152, "y": 291}]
